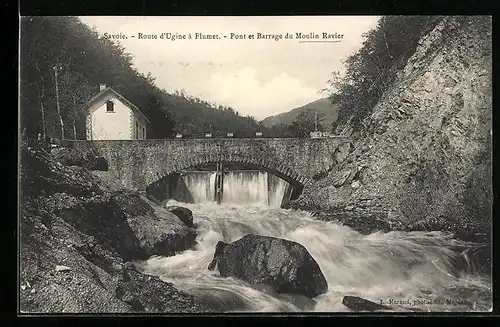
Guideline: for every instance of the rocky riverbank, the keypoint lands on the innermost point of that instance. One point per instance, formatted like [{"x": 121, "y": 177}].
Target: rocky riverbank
[
  {"x": 79, "y": 234},
  {"x": 422, "y": 159}
]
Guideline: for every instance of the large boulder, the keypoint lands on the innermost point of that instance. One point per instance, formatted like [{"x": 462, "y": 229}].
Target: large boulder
[
  {"x": 340, "y": 178},
  {"x": 475, "y": 260},
  {"x": 356, "y": 303},
  {"x": 150, "y": 294},
  {"x": 159, "y": 231},
  {"x": 184, "y": 214},
  {"x": 78, "y": 157},
  {"x": 284, "y": 265}
]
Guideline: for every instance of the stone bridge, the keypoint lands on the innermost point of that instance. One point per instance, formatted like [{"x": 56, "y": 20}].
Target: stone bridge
[{"x": 140, "y": 163}]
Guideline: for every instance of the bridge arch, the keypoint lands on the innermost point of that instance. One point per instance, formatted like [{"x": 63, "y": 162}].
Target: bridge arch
[
  {"x": 279, "y": 169},
  {"x": 138, "y": 164}
]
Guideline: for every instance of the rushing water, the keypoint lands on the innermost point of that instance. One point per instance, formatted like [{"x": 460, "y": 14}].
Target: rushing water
[
  {"x": 240, "y": 187},
  {"x": 415, "y": 267},
  {"x": 201, "y": 185}
]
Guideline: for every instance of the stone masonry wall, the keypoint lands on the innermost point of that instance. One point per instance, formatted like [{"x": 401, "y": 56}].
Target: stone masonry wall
[{"x": 139, "y": 163}]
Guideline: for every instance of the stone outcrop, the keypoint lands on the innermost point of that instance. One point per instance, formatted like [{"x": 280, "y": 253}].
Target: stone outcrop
[
  {"x": 423, "y": 156},
  {"x": 356, "y": 218},
  {"x": 77, "y": 238},
  {"x": 284, "y": 265},
  {"x": 150, "y": 294},
  {"x": 476, "y": 259},
  {"x": 159, "y": 231},
  {"x": 184, "y": 214},
  {"x": 356, "y": 303},
  {"x": 86, "y": 158}
]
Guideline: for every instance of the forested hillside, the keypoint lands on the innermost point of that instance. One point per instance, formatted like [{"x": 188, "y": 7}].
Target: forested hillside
[
  {"x": 194, "y": 116},
  {"x": 322, "y": 107},
  {"x": 83, "y": 61}
]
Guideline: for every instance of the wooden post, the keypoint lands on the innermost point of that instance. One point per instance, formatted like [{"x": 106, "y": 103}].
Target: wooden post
[
  {"x": 216, "y": 193},
  {"x": 219, "y": 182}
]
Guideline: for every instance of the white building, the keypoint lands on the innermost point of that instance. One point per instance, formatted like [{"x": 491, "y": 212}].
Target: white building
[{"x": 109, "y": 116}]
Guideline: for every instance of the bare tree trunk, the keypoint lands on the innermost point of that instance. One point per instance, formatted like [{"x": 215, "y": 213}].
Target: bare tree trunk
[
  {"x": 74, "y": 117},
  {"x": 89, "y": 128},
  {"x": 387, "y": 45},
  {"x": 44, "y": 132},
  {"x": 57, "y": 103},
  {"x": 42, "y": 110},
  {"x": 41, "y": 98}
]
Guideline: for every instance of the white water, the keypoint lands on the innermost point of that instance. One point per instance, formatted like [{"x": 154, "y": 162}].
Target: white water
[
  {"x": 245, "y": 187},
  {"x": 201, "y": 185},
  {"x": 240, "y": 187},
  {"x": 381, "y": 266}
]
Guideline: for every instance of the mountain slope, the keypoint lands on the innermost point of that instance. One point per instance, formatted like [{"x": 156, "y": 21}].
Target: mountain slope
[
  {"x": 194, "y": 116},
  {"x": 321, "y": 105},
  {"x": 86, "y": 60},
  {"x": 422, "y": 156}
]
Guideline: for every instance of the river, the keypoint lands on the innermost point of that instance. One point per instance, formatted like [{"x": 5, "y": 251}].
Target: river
[{"x": 412, "y": 271}]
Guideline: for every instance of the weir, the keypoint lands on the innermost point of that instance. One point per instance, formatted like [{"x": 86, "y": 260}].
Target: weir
[{"x": 224, "y": 187}]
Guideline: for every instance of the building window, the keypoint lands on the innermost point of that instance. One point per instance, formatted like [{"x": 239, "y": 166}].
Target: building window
[
  {"x": 110, "y": 106},
  {"x": 136, "y": 130}
]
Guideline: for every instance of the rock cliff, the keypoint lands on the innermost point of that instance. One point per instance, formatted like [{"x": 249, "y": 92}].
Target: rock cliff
[
  {"x": 79, "y": 235},
  {"x": 422, "y": 159}
]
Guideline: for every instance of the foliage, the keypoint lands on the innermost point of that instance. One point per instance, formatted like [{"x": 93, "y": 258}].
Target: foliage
[
  {"x": 196, "y": 117},
  {"x": 84, "y": 61},
  {"x": 306, "y": 122},
  {"x": 371, "y": 70}
]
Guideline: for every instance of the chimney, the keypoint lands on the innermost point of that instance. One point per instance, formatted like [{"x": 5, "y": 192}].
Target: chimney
[{"x": 102, "y": 87}]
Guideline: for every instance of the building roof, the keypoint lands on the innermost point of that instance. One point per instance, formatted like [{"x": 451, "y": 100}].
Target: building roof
[{"x": 119, "y": 96}]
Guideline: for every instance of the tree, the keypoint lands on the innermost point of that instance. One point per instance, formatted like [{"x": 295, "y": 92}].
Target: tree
[
  {"x": 150, "y": 79},
  {"x": 59, "y": 113},
  {"x": 40, "y": 90},
  {"x": 73, "y": 99},
  {"x": 306, "y": 122},
  {"x": 372, "y": 68},
  {"x": 35, "y": 84},
  {"x": 88, "y": 60}
]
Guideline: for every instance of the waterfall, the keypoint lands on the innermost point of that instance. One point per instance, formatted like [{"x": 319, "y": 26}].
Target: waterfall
[
  {"x": 201, "y": 185},
  {"x": 245, "y": 188},
  {"x": 240, "y": 187}
]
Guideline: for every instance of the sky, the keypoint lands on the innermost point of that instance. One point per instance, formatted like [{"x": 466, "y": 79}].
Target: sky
[{"x": 260, "y": 77}]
